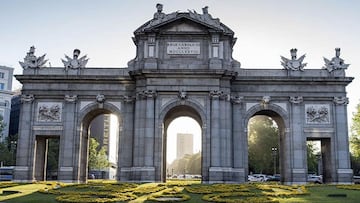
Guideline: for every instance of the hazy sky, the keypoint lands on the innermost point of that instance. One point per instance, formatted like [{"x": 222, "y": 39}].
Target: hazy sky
[{"x": 103, "y": 30}]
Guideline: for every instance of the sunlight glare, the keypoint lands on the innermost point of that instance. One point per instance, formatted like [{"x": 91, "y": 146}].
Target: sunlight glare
[{"x": 182, "y": 125}]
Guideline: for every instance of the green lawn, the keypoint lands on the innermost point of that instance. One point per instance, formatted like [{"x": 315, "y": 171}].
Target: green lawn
[
  {"x": 320, "y": 194},
  {"x": 193, "y": 191}
]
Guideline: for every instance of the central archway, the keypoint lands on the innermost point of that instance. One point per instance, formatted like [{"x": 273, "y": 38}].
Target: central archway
[{"x": 170, "y": 115}]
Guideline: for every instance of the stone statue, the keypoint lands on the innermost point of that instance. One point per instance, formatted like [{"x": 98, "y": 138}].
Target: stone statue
[
  {"x": 75, "y": 62},
  {"x": 336, "y": 62},
  {"x": 160, "y": 17},
  {"x": 206, "y": 13},
  {"x": 293, "y": 63},
  {"x": 31, "y": 61},
  {"x": 159, "y": 14}
]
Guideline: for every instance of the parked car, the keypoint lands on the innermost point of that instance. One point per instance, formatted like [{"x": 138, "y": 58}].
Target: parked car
[
  {"x": 356, "y": 179},
  {"x": 315, "y": 179},
  {"x": 257, "y": 178},
  {"x": 275, "y": 177},
  {"x": 6, "y": 173}
]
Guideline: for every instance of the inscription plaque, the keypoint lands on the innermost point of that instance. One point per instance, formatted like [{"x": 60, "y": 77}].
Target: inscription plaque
[{"x": 183, "y": 48}]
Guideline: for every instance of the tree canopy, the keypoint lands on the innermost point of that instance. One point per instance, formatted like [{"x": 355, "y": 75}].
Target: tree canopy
[
  {"x": 262, "y": 138},
  {"x": 355, "y": 141},
  {"x": 97, "y": 156},
  {"x": 188, "y": 164}
]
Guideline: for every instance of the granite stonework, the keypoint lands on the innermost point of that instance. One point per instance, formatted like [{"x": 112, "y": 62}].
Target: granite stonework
[{"x": 183, "y": 67}]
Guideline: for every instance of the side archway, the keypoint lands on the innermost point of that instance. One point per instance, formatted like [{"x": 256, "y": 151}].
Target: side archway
[
  {"x": 281, "y": 117},
  {"x": 82, "y": 139}
]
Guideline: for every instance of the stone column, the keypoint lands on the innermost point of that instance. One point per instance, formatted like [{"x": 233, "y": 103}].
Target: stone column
[
  {"x": 139, "y": 131},
  {"x": 225, "y": 131},
  {"x": 143, "y": 167},
  {"x": 215, "y": 129},
  {"x": 66, "y": 151},
  {"x": 343, "y": 167},
  {"x": 24, "y": 155},
  {"x": 150, "y": 128},
  {"x": 125, "y": 156},
  {"x": 239, "y": 140},
  {"x": 299, "y": 166}
]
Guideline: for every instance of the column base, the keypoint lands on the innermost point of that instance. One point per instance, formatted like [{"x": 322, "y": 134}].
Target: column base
[
  {"x": 345, "y": 176},
  {"x": 137, "y": 174},
  {"x": 226, "y": 175}
]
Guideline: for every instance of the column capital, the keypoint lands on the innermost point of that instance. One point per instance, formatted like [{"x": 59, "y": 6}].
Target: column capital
[
  {"x": 341, "y": 100},
  {"x": 235, "y": 99},
  {"x": 296, "y": 99},
  {"x": 28, "y": 98},
  {"x": 70, "y": 98},
  {"x": 128, "y": 99},
  {"x": 147, "y": 94},
  {"x": 218, "y": 94}
]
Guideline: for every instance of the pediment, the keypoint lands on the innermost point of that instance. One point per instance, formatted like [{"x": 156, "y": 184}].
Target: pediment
[
  {"x": 184, "y": 22},
  {"x": 183, "y": 26}
]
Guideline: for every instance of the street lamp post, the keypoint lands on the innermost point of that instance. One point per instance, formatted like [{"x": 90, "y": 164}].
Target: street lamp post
[
  {"x": 274, "y": 153},
  {"x": 13, "y": 150}
]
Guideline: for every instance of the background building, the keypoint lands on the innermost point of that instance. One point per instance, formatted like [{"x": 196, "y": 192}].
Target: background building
[
  {"x": 184, "y": 144},
  {"x": 15, "y": 114},
  {"x": 104, "y": 128},
  {"x": 6, "y": 75}
]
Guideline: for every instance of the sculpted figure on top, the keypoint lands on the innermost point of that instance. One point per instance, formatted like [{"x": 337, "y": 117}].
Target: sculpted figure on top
[
  {"x": 159, "y": 14},
  {"x": 160, "y": 17},
  {"x": 293, "y": 63},
  {"x": 31, "y": 61},
  {"x": 75, "y": 62},
  {"x": 335, "y": 63}
]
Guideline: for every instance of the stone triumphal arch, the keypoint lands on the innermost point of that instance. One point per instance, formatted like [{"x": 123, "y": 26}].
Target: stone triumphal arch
[{"x": 183, "y": 67}]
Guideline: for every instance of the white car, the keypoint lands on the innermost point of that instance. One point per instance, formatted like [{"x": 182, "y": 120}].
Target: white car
[
  {"x": 257, "y": 178},
  {"x": 315, "y": 179}
]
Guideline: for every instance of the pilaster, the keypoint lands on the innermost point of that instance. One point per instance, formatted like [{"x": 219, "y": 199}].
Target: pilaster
[
  {"x": 344, "y": 172},
  {"x": 299, "y": 149},
  {"x": 66, "y": 158},
  {"x": 25, "y": 145}
]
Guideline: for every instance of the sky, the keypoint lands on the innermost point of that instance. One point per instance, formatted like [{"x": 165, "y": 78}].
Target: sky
[{"x": 103, "y": 29}]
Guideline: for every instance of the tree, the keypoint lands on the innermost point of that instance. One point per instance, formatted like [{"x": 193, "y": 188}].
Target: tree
[
  {"x": 188, "y": 164},
  {"x": 6, "y": 156},
  {"x": 355, "y": 141},
  {"x": 6, "y": 151},
  {"x": 97, "y": 156},
  {"x": 53, "y": 155},
  {"x": 312, "y": 160},
  {"x": 263, "y": 136},
  {"x": 194, "y": 164}
]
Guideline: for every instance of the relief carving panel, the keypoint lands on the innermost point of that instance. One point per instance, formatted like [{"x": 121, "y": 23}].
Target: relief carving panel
[
  {"x": 49, "y": 111},
  {"x": 317, "y": 113}
]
